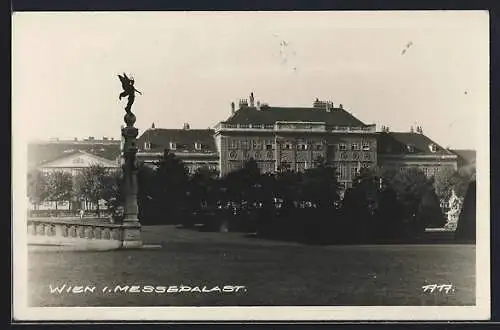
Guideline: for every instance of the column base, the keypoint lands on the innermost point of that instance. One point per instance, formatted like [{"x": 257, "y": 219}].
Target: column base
[{"x": 131, "y": 236}]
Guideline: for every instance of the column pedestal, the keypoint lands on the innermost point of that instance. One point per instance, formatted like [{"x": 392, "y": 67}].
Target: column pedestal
[{"x": 131, "y": 226}]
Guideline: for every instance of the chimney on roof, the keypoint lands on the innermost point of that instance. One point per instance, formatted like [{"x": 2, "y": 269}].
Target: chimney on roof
[
  {"x": 325, "y": 105},
  {"x": 258, "y": 105},
  {"x": 243, "y": 103},
  {"x": 75, "y": 139},
  {"x": 233, "y": 106},
  {"x": 153, "y": 126},
  {"x": 186, "y": 126},
  {"x": 341, "y": 106},
  {"x": 419, "y": 130},
  {"x": 104, "y": 138},
  {"x": 251, "y": 100},
  {"x": 328, "y": 106},
  {"x": 91, "y": 138}
]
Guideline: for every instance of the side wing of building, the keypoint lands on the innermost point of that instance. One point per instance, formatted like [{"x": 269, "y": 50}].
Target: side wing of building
[{"x": 195, "y": 147}]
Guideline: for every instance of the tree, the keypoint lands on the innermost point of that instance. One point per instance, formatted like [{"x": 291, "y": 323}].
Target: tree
[
  {"x": 170, "y": 185},
  {"x": 463, "y": 178},
  {"x": 368, "y": 181},
  {"x": 145, "y": 193},
  {"x": 388, "y": 215},
  {"x": 466, "y": 225},
  {"x": 37, "y": 187},
  {"x": 386, "y": 173},
  {"x": 286, "y": 185},
  {"x": 240, "y": 183},
  {"x": 112, "y": 190},
  {"x": 320, "y": 185},
  {"x": 202, "y": 184},
  {"x": 447, "y": 180},
  {"x": 429, "y": 212},
  {"x": 60, "y": 185},
  {"x": 444, "y": 183},
  {"x": 410, "y": 186},
  {"x": 359, "y": 205},
  {"x": 92, "y": 184}
]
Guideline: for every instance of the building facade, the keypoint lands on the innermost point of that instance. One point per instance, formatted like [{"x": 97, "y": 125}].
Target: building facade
[
  {"x": 401, "y": 150},
  {"x": 295, "y": 139},
  {"x": 466, "y": 160},
  {"x": 195, "y": 147},
  {"x": 72, "y": 156}
]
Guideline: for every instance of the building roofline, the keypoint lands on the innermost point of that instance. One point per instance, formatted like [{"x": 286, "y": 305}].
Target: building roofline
[{"x": 106, "y": 160}]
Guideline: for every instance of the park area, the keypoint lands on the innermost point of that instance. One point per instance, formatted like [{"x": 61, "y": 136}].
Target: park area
[{"x": 236, "y": 269}]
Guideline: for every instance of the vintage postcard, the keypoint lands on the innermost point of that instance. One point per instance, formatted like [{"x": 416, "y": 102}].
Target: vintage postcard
[{"x": 251, "y": 166}]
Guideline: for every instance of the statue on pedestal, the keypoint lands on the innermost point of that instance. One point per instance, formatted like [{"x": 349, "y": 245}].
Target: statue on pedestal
[
  {"x": 454, "y": 208},
  {"x": 131, "y": 224},
  {"x": 128, "y": 91}
]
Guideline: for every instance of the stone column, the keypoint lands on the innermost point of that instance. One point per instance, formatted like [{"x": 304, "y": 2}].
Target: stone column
[{"x": 131, "y": 225}]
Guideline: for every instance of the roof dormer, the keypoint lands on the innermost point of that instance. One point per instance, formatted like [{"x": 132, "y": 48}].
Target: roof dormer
[
  {"x": 410, "y": 148},
  {"x": 172, "y": 146},
  {"x": 197, "y": 146},
  {"x": 433, "y": 147}
]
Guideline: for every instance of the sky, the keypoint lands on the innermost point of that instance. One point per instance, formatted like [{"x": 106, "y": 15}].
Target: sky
[{"x": 396, "y": 69}]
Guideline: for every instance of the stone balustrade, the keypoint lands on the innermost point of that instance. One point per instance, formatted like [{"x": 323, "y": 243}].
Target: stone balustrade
[{"x": 74, "y": 234}]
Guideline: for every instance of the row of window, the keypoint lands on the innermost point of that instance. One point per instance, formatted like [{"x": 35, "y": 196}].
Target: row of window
[
  {"x": 365, "y": 146},
  {"x": 309, "y": 145},
  {"x": 348, "y": 173},
  {"x": 172, "y": 145},
  {"x": 344, "y": 172},
  {"x": 428, "y": 171},
  {"x": 263, "y": 166},
  {"x": 289, "y": 146},
  {"x": 270, "y": 145},
  {"x": 193, "y": 167}
]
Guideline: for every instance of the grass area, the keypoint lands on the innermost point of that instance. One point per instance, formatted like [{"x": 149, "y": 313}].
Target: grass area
[{"x": 273, "y": 273}]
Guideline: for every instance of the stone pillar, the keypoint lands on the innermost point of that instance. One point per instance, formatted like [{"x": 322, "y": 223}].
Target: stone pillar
[{"x": 131, "y": 225}]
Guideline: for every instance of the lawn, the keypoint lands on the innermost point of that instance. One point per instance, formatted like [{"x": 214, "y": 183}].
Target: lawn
[{"x": 273, "y": 273}]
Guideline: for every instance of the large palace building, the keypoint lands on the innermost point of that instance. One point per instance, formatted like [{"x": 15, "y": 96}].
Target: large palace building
[{"x": 294, "y": 138}]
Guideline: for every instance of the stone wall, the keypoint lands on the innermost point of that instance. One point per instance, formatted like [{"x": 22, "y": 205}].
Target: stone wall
[{"x": 73, "y": 234}]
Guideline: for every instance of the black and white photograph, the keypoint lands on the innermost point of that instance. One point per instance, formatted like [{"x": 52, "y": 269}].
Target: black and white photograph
[{"x": 251, "y": 165}]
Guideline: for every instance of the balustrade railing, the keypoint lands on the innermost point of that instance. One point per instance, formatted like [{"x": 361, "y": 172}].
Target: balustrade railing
[
  {"x": 67, "y": 231},
  {"x": 299, "y": 127}
]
